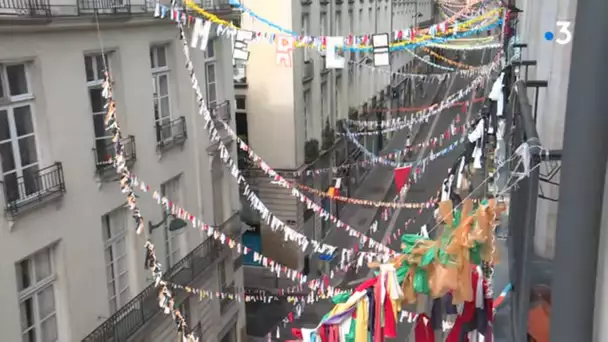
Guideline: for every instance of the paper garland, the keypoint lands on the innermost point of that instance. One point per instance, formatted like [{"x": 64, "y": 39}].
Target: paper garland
[
  {"x": 400, "y": 123},
  {"x": 317, "y": 42}
]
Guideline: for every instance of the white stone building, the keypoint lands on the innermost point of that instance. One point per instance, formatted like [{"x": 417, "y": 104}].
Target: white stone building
[{"x": 70, "y": 260}]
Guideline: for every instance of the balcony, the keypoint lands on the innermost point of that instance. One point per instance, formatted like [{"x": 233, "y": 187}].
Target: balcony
[
  {"x": 136, "y": 313},
  {"x": 220, "y": 112},
  {"x": 41, "y": 9},
  {"x": 104, "y": 155},
  {"x": 32, "y": 188},
  {"x": 170, "y": 133},
  {"x": 309, "y": 71}
]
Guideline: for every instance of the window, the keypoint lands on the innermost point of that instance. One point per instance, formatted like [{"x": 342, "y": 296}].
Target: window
[
  {"x": 211, "y": 84},
  {"x": 160, "y": 92},
  {"x": 370, "y": 15},
  {"x": 351, "y": 24},
  {"x": 221, "y": 274},
  {"x": 338, "y": 97},
  {"x": 361, "y": 21},
  {"x": 241, "y": 103},
  {"x": 210, "y": 51},
  {"x": 306, "y": 32},
  {"x": 114, "y": 226},
  {"x": 18, "y": 147},
  {"x": 95, "y": 66},
  {"x": 307, "y": 118},
  {"x": 36, "y": 284},
  {"x": 171, "y": 189},
  {"x": 323, "y": 24},
  {"x": 338, "y": 23},
  {"x": 324, "y": 101}
]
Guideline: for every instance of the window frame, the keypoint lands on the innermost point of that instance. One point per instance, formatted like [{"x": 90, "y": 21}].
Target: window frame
[
  {"x": 111, "y": 243},
  {"x": 33, "y": 291},
  {"x": 158, "y": 72},
  {"x": 97, "y": 84},
  {"x": 209, "y": 63},
  {"x": 172, "y": 239},
  {"x": 8, "y": 104},
  {"x": 305, "y": 33}
]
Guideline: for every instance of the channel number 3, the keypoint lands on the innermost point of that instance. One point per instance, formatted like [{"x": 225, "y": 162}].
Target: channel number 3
[{"x": 565, "y": 35}]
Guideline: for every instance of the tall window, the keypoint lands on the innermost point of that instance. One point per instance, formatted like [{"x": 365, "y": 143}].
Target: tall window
[
  {"x": 307, "y": 118},
  {"x": 173, "y": 239},
  {"x": 324, "y": 30},
  {"x": 36, "y": 285},
  {"x": 338, "y": 23},
  {"x": 338, "y": 98},
  {"x": 324, "y": 102},
  {"x": 221, "y": 273},
  {"x": 306, "y": 32},
  {"x": 211, "y": 75},
  {"x": 114, "y": 228},
  {"x": 94, "y": 68},
  {"x": 18, "y": 149},
  {"x": 351, "y": 24},
  {"x": 160, "y": 95}
]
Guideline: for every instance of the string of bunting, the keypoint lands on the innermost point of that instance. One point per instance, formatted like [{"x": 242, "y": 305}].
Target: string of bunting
[
  {"x": 351, "y": 40},
  {"x": 423, "y": 115},
  {"x": 284, "y": 53},
  {"x": 166, "y": 302},
  {"x": 394, "y": 155}
]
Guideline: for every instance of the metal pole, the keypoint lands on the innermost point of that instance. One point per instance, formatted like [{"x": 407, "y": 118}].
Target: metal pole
[{"x": 582, "y": 180}]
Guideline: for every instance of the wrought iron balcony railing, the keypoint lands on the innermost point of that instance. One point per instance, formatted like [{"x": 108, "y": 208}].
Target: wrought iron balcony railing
[
  {"x": 32, "y": 187},
  {"x": 104, "y": 155},
  {"x": 170, "y": 133},
  {"x": 221, "y": 111},
  {"x": 45, "y": 8},
  {"x": 133, "y": 315}
]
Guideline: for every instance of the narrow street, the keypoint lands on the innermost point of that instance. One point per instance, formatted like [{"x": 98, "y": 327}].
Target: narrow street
[{"x": 421, "y": 191}]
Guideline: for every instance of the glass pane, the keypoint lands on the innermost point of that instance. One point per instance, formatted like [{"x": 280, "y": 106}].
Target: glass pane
[
  {"x": 210, "y": 52},
  {"x": 46, "y": 302},
  {"x": 210, "y": 73},
  {"x": 161, "y": 53},
  {"x": 12, "y": 187},
  {"x": 104, "y": 150},
  {"x": 27, "y": 314},
  {"x": 27, "y": 150},
  {"x": 49, "y": 329},
  {"x": 113, "y": 307},
  {"x": 23, "y": 274},
  {"x": 30, "y": 336},
  {"x": 5, "y": 132},
  {"x": 97, "y": 100},
  {"x": 154, "y": 92},
  {"x": 156, "y": 110},
  {"x": 121, "y": 264},
  {"x": 111, "y": 289},
  {"x": 99, "y": 126},
  {"x": 31, "y": 182},
  {"x": 163, "y": 85},
  {"x": 164, "y": 107},
  {"x": 23, "y": 120},
  {"x": 42, "y": 265},
  {"x": 108, "y": 255},
  {"x": 17, "y": 82},
  {"x": 240, "y": 103},
  {"x": 88, "y": 67},
  {"x": 100, "y": 67},
  {"x": 121, "y": 247},
  {"x": 125, "y": 295},
  {"x": 212, "y": 94},
  {"x": 123, "y": 280},
  {"x": 152, "y": 64},
  {"x": 1, "y": 84},
  {"x": 6, "y": 154}
]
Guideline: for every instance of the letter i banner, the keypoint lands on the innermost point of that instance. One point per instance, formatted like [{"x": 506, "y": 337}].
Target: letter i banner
[{"x": 401, "y": 176}]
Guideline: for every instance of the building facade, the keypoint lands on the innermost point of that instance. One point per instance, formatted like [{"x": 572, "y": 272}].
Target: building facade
[
  {"x": 72, "y": 264},
  {"x": 296, "y": 105}
]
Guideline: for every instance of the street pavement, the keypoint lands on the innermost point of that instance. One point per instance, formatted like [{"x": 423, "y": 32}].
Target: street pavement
[{"x": 419, "y": 192}]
